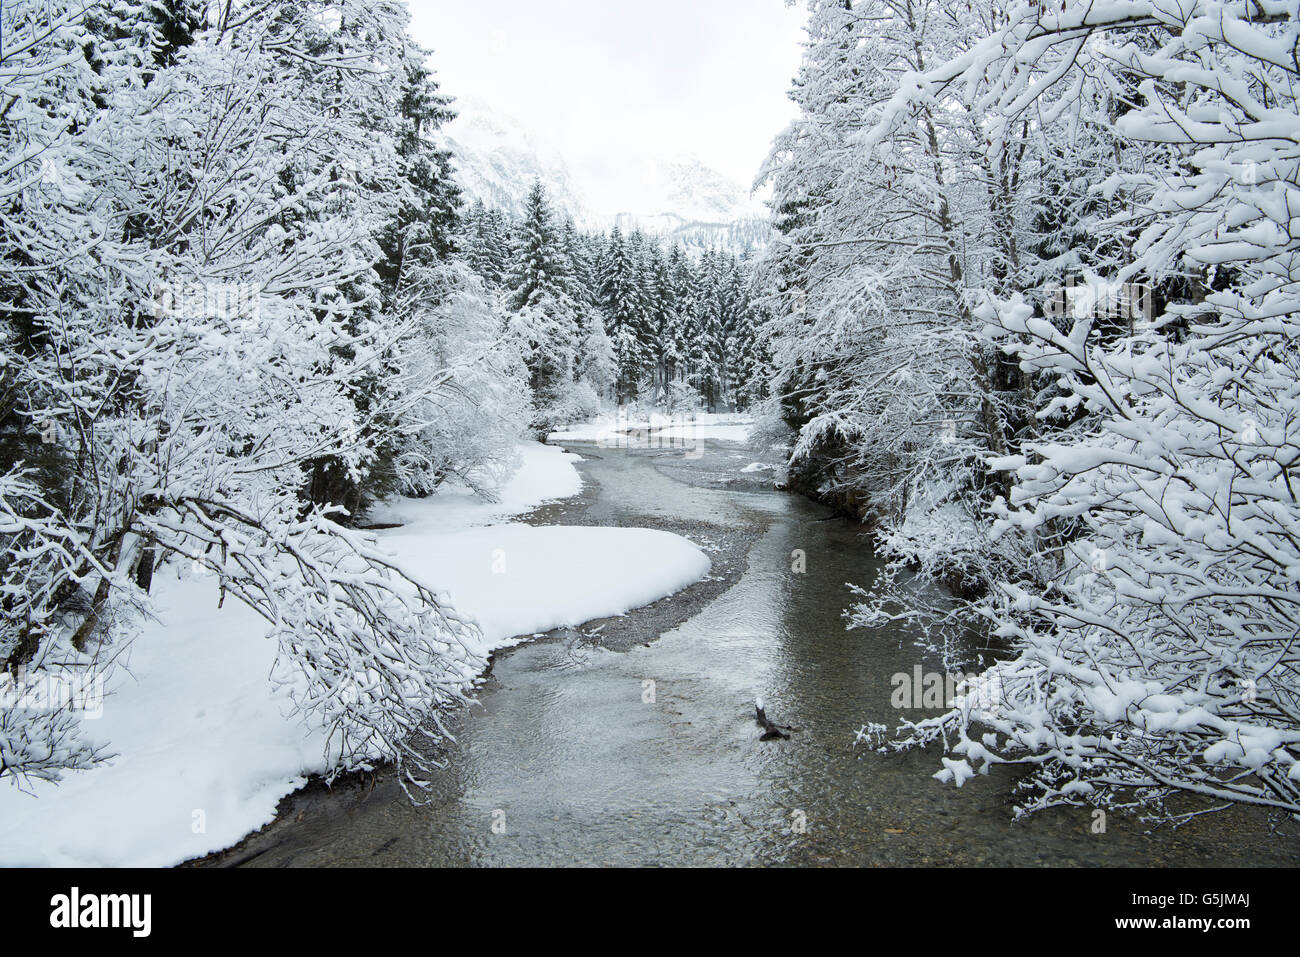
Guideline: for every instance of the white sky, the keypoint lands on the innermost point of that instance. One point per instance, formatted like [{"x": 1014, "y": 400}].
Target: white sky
[{"x": 596, "y": 79}]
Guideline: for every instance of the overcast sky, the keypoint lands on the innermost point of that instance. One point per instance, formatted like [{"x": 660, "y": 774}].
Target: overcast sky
[{"x": 597, "y": 78}]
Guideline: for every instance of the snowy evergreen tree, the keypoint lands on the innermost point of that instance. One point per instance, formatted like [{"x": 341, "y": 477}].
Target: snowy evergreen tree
[
  {"x": 622, "y": 297},
  {"x": 705, "y": 350},
  {"x": 659, "y": 315},
  {"x": 540, "y": 271},
  {"x": 546, "y": 318}
]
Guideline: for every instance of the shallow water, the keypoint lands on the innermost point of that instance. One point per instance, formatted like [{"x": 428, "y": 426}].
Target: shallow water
[{"x": 581, "y": 755}]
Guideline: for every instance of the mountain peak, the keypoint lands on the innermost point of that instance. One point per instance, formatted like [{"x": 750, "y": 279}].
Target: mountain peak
[{"x": 678, "y": 196}]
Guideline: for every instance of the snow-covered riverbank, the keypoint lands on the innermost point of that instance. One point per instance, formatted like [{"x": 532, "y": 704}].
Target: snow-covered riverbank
[
  {"x": 614, "y": 428},
  {"x": 204, "y": 751}
]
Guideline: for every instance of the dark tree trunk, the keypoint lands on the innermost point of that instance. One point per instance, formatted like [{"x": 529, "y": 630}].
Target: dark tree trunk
[{"x": 144, "y": 568}]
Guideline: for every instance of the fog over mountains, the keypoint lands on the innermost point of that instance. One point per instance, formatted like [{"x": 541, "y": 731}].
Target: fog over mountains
[{"x": 678, "y": 197}]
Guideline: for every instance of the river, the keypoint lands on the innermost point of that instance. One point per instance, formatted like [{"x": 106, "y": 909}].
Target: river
[{"x": 633, "y": 742}]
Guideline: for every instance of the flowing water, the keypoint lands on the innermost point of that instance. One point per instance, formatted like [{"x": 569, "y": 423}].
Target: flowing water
[{"x": 651, "y": 756}]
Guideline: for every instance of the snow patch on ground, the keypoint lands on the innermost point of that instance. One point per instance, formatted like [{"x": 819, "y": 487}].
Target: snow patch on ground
[
  {"x": 726, "y": 433},
  {"x": 519, "y": 580},
  {"x": 204, "y": 750},
  {"x": 612, "y": 427},
  {"x": 545, "y": 474}
]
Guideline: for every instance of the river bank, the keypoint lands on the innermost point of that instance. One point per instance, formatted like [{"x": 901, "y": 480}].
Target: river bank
[
  {"x": 233, "y": 745},
  {"x": 633, "y": 741},
  {"x": 306, "y": 815}
]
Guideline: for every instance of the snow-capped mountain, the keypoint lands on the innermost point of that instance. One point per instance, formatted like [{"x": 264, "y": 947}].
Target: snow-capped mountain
[
  {"x": 683, "y": 199},
  {"x": 677, "y": 197},
  {"x": 497, "y": 161}
]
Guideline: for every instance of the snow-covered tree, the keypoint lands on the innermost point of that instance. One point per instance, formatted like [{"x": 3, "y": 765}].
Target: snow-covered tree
[
  {"x": 623, "y": 298},
  {"x": 545, "y": 313},
  {"x": 193, "y": 321},
  {"x": 1154, "y": 628}
]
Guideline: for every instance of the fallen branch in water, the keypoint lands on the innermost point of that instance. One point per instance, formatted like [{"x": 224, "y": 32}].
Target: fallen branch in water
[{"x": 771, "y": 732}]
